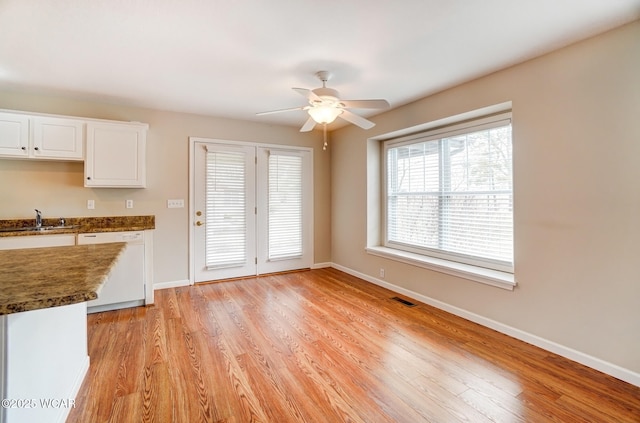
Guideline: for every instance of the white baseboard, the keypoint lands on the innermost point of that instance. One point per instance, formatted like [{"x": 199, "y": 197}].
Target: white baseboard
[
  {"x": 321, "y": 265},
  {"x": 577, "y": 356},
  {"x": 171, "y": 284}
]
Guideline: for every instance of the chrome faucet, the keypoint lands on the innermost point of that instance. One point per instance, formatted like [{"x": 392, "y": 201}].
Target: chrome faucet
[{"x": 38, "y": 218}]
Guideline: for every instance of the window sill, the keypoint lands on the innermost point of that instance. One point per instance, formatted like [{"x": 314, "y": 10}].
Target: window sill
[{"x": 491, "y": 277}]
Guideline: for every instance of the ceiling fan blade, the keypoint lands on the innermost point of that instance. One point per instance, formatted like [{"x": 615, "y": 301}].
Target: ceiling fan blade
[
  {"x": 366, "y": 104},
  {"x": 356, "y": 120},
  {"x": 308, "y": 125},
  {"x": 308, "y": 94},
  {"x": 283, "y": 110}
]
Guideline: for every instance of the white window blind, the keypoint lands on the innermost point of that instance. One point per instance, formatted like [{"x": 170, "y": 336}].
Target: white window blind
[
  {"x": 449, "y": 193},
  {"x": 285, "y": 206},
  {"x": 226, "y": 233}
]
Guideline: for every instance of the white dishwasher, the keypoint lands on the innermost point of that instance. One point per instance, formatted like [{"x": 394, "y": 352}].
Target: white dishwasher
[{"x": 125, "y": 285}]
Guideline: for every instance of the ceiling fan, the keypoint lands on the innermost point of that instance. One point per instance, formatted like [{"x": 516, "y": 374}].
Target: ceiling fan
[{"x": 325, "y": 106}]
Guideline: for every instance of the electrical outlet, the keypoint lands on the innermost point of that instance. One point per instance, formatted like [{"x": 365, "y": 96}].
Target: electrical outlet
[
  {"x": 129, "y": 204},
  {"x": 91, "y": 204},
  {"x": 382, "y": 272},
  {"x": 175, "y": 204}
]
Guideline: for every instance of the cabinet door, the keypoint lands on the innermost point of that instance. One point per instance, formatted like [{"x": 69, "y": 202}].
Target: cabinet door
[
  {"x": 56, "y": 138},
  {"x": 115, "y": 156},
  {"x": 14, "y": 135}
]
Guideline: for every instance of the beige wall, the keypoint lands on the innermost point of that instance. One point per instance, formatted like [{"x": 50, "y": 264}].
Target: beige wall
[
  {"x": 576, "y": 135},
  {"x": 57, "y": 189}
]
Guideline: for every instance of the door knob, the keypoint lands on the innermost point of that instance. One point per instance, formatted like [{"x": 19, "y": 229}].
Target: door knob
[{"x": 198, "y": 223}]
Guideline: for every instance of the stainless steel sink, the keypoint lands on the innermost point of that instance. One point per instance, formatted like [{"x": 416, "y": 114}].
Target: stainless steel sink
[{"x": 40, "y": 229}]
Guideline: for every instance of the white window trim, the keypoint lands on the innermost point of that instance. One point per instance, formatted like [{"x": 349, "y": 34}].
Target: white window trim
[
  {"x": 495, "y": 278},
  {"x": 483, "y": 275}
]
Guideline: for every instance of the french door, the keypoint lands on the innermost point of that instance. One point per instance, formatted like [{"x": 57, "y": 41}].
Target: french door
[{"x": 252, "y": 209}]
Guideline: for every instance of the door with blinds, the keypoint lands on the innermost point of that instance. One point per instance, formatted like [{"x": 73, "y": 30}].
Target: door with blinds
[
  {"x": 252, "y": 210},
  {"x": 224, "y": 194},
  {"x": 285, "y": 214}
]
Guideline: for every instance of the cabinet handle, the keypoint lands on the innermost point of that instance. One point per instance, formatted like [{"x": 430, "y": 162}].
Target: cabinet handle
[
  {"x": 36, "y": 148},
  {"x": 88, "y": 178},
  {"x": 24, "y": 148}
]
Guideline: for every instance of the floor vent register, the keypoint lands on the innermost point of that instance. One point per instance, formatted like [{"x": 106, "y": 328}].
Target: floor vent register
[{"x": 403, "y": 301}]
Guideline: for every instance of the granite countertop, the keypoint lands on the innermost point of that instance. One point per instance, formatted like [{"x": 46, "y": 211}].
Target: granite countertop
[
  {"x": 37, "y": 278},
  {"x": 80, "y": 225}
]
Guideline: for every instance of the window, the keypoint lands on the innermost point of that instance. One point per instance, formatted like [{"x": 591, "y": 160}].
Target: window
[{"x": 449, "y": 193}]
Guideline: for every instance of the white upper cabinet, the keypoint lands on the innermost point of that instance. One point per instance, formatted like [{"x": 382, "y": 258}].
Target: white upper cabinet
[
  {"x": 14, "y": 135},
  {"x": 115, "y": 155},
  {"x": 55, "y": 138},
  {"x": 39, "y": 137},
  {"x": 114, "y": 152}
]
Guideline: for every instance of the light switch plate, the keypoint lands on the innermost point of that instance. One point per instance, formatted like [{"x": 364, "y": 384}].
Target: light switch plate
[
  {"x": 175, "y": 204},
  {"x": 91, "y": 204}
]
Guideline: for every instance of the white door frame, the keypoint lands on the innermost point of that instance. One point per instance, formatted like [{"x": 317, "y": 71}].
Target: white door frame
[{"x": 191, "y": 210}]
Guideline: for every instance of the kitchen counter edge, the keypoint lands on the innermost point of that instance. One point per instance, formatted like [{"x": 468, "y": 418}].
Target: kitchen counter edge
[
  {"x": 81, "y": 225},
  {"x": 40, "y": 278}
]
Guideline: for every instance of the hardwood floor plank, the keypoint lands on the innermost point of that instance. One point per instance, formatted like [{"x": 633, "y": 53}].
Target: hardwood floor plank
[
  {"x": 270, "y": 394},
  {"x": 157, "y": 396},
  {"x": 543, "y": 406},
  {"x": 155, "y": 339},
  {"x": 459, "y": 410},
  {"x": 130, "y": 369},
  {"x": 324, "y": 346},
  {"x": 593, "y": 413},
  {"x": 492, "y": 408},
  {"x": 124, "y": 406}
]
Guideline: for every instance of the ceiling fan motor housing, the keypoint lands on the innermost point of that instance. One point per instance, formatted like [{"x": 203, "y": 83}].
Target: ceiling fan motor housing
[{"x": 327, "y": 94}]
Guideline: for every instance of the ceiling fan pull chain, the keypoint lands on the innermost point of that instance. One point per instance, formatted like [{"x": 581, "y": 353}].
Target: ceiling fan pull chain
[{"x": 324, "y": 146}]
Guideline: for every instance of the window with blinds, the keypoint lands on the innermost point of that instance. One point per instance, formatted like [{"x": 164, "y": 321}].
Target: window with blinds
[
  {"x": 285, "y": 206},
  {"x": 449, "y": 193},
  {"x": 226, "y": 233}
]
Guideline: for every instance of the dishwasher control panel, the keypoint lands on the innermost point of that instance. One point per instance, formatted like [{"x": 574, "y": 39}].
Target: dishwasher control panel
[{"x": 107, "y": 237}]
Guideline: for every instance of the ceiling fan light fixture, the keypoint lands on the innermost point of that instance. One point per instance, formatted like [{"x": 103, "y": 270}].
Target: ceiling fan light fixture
[{"x": 324, "y": 114}]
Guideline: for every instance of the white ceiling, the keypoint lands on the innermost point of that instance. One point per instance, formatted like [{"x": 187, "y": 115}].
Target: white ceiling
[{"x": 234, "y": 58}]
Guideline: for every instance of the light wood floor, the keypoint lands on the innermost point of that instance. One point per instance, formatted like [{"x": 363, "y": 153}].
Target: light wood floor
[{"x": 323, "y": 346}]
